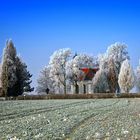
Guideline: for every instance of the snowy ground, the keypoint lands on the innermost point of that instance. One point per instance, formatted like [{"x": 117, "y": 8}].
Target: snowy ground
[{"x": 105, "y": 119}]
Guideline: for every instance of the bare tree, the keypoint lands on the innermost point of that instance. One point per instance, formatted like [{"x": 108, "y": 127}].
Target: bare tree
[{"x": 45, "y": 81}]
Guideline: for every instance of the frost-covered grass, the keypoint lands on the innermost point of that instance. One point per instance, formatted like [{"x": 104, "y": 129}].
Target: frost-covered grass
[{"x": 70, "y": 119}]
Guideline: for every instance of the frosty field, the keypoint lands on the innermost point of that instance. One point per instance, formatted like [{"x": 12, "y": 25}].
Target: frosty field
[{"x": 109, "y": 119}]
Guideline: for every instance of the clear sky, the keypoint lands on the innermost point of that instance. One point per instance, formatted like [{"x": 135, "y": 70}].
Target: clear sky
[{"x": 39, "y": 27}]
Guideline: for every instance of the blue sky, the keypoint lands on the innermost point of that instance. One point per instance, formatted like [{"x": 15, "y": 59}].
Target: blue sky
[{"x": 39, "y": 27}]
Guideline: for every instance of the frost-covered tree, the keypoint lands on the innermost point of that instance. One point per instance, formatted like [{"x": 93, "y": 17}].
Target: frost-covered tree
[
  {"x": 9, "y": 77},
  {"x": 102, "y": 60},
  {"x": 73, "y": 68},
  {"x": 58, "y": 67},
  {"x": 126, "y": 77},
  {"x": 112, "y": 76},
  {"x": 0, "y": 81},
  {"x": 118, "y": 52},
  {"x": 0, "y": 74},
  {"x": 15, "y": 77},
  {"x": 45, "y": 81},
  {"x": 100, "y": 82},
  {"x": 138, "y": 77},
  {"x": 23, "y": 78}
]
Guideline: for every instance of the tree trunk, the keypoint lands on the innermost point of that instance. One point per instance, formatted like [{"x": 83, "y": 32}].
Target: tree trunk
[
  {"x": 76, "y": 88},
  {"x": 118, "y": 88},
  {"x": 65, "y": 89}
]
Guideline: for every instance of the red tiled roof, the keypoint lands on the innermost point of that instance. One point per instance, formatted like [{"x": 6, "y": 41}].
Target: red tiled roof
[{"x": 89, "y": 73}]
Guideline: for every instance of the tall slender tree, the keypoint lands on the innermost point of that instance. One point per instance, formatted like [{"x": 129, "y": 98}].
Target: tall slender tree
[
  {"x": 118, "y": 52},
  {"x": 9, "y": 77},
  {"x": 1, "y": 94},
  {"x": 15, "y": 78},
  {"x": 126, "y": 77},
  {"x": 138, "y": 78},
  {"x": 112, "y": 76},
  {"x": 0, "y": 74}
]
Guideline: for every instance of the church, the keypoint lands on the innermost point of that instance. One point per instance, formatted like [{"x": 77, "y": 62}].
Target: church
[{"x": 84, "y": 84}]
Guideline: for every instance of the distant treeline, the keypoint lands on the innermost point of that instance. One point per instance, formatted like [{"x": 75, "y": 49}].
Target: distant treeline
[{"x": 114, "y": 75}]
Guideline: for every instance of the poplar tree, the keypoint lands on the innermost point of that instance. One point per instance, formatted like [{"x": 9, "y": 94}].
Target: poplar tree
[
  {"x": 112, "y": 76},
  {"x": 126, "y": 77},
  {"x": 8, "y": 76},
  {"x": 15, "y": 77}
]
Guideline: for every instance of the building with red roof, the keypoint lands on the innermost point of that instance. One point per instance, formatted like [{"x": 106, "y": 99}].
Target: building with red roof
[{"x": 84, "y": 84}]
